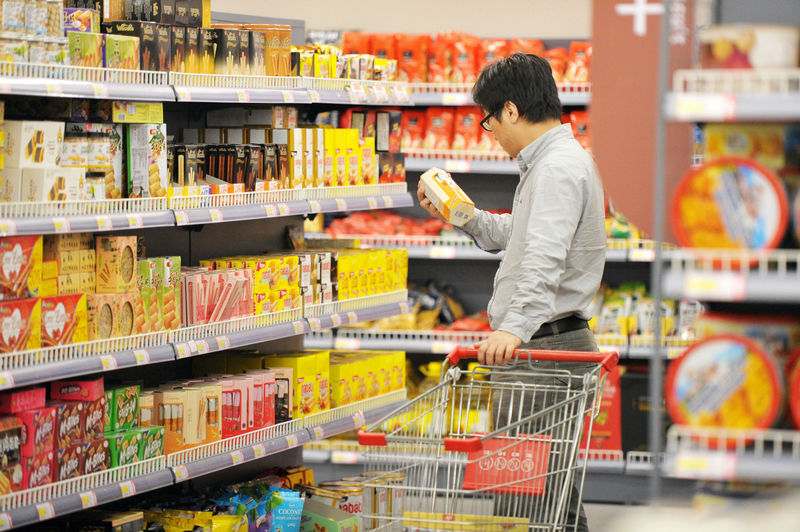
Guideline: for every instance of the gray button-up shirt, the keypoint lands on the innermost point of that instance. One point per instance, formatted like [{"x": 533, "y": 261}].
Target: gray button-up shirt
[{"x": 554, "y": 239}]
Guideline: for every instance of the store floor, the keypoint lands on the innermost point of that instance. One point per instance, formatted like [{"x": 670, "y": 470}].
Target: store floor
[{"x": 607, "y": 517}]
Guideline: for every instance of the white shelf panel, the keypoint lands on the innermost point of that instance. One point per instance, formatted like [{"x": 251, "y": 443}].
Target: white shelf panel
[
  {"x": 459, "y": 94},
  {"x": 462, "y": 165}
]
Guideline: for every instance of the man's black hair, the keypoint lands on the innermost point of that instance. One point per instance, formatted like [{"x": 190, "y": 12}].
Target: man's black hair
[{"x": 524, "y": 79}]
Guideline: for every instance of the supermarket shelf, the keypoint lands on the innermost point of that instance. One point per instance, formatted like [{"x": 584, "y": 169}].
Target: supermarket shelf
[
  {"x": 750, "y": 455},
  {"x": 462, "y": 166},
  {"x": 458, "y": 94},
  {"x": 62, "y": 498},
  {"x": 733, "y": 276},
  {"x": 728, "y": 95},
  {"x": 352, "y": 311},
  {"x": 349, "y": 92}
]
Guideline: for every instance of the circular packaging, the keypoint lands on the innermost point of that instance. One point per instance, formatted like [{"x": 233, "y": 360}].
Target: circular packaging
[
  {"x": 777, "y": 334},
  {"x": 13, "y": 47},
  {"x": 748, "y": 46},
  {"x": 731, "y": 202},
  {"x": 724, "y": 381}
]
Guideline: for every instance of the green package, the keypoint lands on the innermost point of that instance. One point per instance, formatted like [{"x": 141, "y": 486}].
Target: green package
[
  {"x": 122, "y": 408},
  {"x": 124, "y": 447},
  {"x": 151, "y": 444}
]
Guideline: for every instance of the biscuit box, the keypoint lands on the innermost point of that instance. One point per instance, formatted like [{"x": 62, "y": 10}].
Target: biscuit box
[
  {"x": 32, "y": 144},
  {"x": 122, "y": 51},
  {"x": 69, "y": 424},
  {"x": 38, "y": 430},
  {"x": 64, "y": 320},
  {"x": 124, "y": 447},
  {"x": 102, "y": 319},
  {"x": 19, "y": 400},
  {"x": 21, "y": 323},
  {"x": 151, "y": 444},
  {"x": 37, "y": 471},
  {"x": 68, "y": 463},
  {"x": 116, "y": 264},
  {"x": 21, "y": 274},
  {"x": 147, "y": 160},
  {"x": 10, "y": 466},
  {"x": 146, "y": 32},
  {"x": 87, "y": 391},
  {"x": 96, "y": 456},
  {"x": 122, "y": 407},
  {"x": 94, "y": 416}
]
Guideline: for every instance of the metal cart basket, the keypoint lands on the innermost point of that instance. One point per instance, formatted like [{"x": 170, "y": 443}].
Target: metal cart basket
[{"x": 491, "y": 448}]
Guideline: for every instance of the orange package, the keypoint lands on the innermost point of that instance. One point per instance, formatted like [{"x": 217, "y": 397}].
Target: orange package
[
  {"x": 412, "y": 57},
  {"x": 355, "y": 42},
  {"x": 439, "y": 53},
  {"x": 439, "y": 131},
  {"x": 64, "y": 320},
  {"x": 490, "y": 51},
  {"x": 529, "y": 46},
  {"x": 466, "y": 134},
  {"x": 463, "y": 59},
  {"x": 557, "y": 57},
  {"x": 383, "y": 45},
  {"x": 580, "y": 55},
  {"x": 413, "y": 130}
]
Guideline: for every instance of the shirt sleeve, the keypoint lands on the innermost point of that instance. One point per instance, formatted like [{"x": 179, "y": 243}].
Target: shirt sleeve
[
  {"x": 553, "y": 219},
  {"x": 489, "y": 231}
]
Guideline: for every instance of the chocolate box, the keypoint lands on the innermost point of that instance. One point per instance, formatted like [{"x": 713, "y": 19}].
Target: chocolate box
[
  {"x": 38, "y": 431},
  {"x": 37, "y": 470},
  {"x": 116, "y": 264},
  {"x": 163, "y": 47},
  {"x": 178, "y": 48},
  {"x": 94, "y": 416},
  {"x": 23, "y": 255},
  {"x": 64, "y": 320},
  {"x": 226, "y": 52},
  {"x": 96, "y": 456},
  {"x": 74, "y": 390},
  {"x": 70, "y": 422},
  {"x": 68, "y": 463}
]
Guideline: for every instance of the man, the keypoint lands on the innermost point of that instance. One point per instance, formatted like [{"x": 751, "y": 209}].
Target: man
[{"x": 554, "y": 239}]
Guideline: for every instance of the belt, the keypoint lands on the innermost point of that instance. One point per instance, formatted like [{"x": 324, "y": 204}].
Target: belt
[{"x": 564, "y": 325}]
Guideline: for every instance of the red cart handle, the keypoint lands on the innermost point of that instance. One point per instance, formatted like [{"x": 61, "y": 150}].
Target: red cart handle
[{"x": 608, "y": 359}]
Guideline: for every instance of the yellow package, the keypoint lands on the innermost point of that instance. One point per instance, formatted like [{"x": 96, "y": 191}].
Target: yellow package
[
  {"x": 330, "y": 178},
  {"x": 318, "y": 142},
  {"x": 368, "y": 167},
  {"x": 384, "y": 365},
  {"x": 340, "y": 378},
  {"x": 293, "y": 264},
  {"x": 308, "y": 157},
  {"x": 261, "y": 271},
  {"x": 398, "y": 370},
  {"x": 296, "y": 158},
  {"x": 340, "y": 161},
  {"x": 323, "y": 364},
  {"x": 353, "y": 160},
  {"x": 448, "y": 198},
  {"x": 279, "y": 273},
  {"x": 306, "y": 392},
  {"x": 295, "y": 297}
]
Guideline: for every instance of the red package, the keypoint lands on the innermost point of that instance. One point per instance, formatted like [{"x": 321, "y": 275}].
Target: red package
[
  {"x": 580, "y": 55},
  {"x": 17, "y": 401},
  {"x": 68, "y": 463},
  {"x": 77, "y": 390},
  {"x": 37, "y": 471},
  {"x": 383, "y": 45},
  {"x": 462, "y": 57},
  {"x": 354, "y": 42},
  {"x": 466, "y": 134},
  {"x": 69, "y": 424},
  {"x": 557, "y": 57},
  {"x": 370, "y": 129},
  {"x": 412, "y": 57},
  {"x": 439, "y": 54},
  {"x": 607, "y": 428},
  {"x": 38, "y": 429},
  {"x": 96, "y": 456},
  {"x": 490, "y": 51},
  {"x": 528, "y": 46},
  {"x": 439, "y": 131},
  {"x": 413, "y": 130}
]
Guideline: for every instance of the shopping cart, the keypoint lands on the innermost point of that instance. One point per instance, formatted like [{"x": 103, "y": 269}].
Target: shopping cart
[{"x": 491, "y": 448}]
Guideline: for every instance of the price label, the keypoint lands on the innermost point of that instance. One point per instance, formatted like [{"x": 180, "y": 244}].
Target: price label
[
  {"x": 283, "y": 209},
  {"x": 104, "y": 223},
  {"x": 216, "y": 215},
  {"x": 442, "y": 347},
  {"x": 341, "y": 204},
  {"x": 455, "y": 98},
  {"x": 381, "y": 95},
  {"x": 298, "y": 327},
  {"x": 100, "y": 90},
  {"x": 352, "y": 96},
  {"x": 181, "y": 218},
  {"x": 359, "y": 419},
  {"x": 347, "y": 344},
  {"x": 675, "y": 352},
  {"x": 458, "y": 165},
  {"x": 712, "y": 466},
  {"x": 404, "y": 307},
  {"x": 142, "y": 356},
  {"x": 202, "y": 347},
  {"x": 5, "y": 88},
  {"x": 314, "y": 95},
  {"x": 88, "y": 499},
  {"x": 193, "y": 346},
  {"x": 5, "y": 521},
  {"x": 184, "y": 94},
  {"x": 442, "y": 252},
  {"x": 183, "y": 350},
  {"x": 237, "y": 457},
  {"x": 707, "y": 107},
  {"x": 352, "y": 317},
  {"x": 319, "y": 433},
  {"x": 243, "y": 95},
  {"x": 61, "y": 225},
  {"x": 6, "y": 380},
  {"x": 402, "y": 94},
  {"x": 223, "y": 342},
  {"x": 45, "y": 511},
  {"x": 8, "y": 228},
  {"x": 108, "y": 362},
  {"x": 344, "y": 457},
  {"x": 288, "y": 96},
  {"x": 315, "y": 206},
  {"x": 180, "y": 472},
  {"x": 314, "y": 323},
  {"x": 716, "y": 286},
  {"x": 135, "y": 220},
  {"x": 291, "y": 440},
  {"x": 336, "y": 319},
  {"x": 642, "y": 255},
  {"x": 54, "y": 89},
  {"x": 270, "y": 210},
  {"x": 259, "y": 451},
  {"x": 372, "y": 202},
  {"x": 127, "y": 488},
  {"x": 388, "y": 201}
]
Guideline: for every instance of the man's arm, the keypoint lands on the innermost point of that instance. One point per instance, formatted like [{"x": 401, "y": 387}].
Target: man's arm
[{"x": 489, "y": 231}]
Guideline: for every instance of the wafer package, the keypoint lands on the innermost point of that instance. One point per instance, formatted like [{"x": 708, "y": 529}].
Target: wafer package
[
  {"x": 116, "y": 264},
  {"x": 147, "y": 160},
  {"x": 64, "y": 320},
  {"x": 21, "y": 274},
  {"x": 32, "y": 144}
]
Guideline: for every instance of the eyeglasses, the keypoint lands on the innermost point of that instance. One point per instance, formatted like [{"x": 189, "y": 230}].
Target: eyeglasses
[{"x": 485, "y": 121}]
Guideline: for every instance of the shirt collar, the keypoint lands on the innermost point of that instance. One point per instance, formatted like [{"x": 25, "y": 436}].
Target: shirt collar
[{"x": 531, "y": 153}]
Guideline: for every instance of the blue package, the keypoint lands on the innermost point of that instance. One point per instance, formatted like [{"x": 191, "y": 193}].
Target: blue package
[{"x": 287, "y": 509}]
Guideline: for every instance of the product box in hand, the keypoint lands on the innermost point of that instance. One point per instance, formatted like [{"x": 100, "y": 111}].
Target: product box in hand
[
  {"x": 64, "y": 320},
  {"x": 122, "y": 51},
  {"x": 147, "y": 160},
  {"x": 21, "y": 275},
  {"x": 116, "y": 264},
  {"x": 37, "y": 470},
  {"x": 68, "y": 463},
  {"x": 70, "y": 422},
  {"x": 82, "y": 20},
  {"x": 86, "y": 49},
  {"x": 21, "y": 323},
  {"x": 52, "y": 184},
  {"x": 38, "y": 431},
  {"x": 447, "y": 197},
  {"x": 32, "y": 144}
]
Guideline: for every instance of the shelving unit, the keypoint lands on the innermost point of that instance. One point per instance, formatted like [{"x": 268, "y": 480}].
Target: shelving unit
[
  {"x": 461, "y": 162},
  {"x": 457, "y": 94}
]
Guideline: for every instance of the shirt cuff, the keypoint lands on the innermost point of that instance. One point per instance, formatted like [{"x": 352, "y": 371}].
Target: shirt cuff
[
  {"x": 471, "y": 226},
  {"x": 520, "y": 326}
]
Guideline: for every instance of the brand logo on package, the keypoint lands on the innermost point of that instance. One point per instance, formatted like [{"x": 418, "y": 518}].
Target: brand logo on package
[
  {"x": 55, "y": 320},
  {"x": 12, "y": 262},
  {"x": 12, "y": 327}
]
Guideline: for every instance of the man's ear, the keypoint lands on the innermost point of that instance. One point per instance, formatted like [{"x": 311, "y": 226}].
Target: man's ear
[{"x": 511, "y": 111}]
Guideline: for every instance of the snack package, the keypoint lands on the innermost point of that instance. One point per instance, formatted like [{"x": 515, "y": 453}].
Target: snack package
[
  {"x": 439, "y": 58},
  {"x": 116, "y": 264},
  {"x": 447, "y": 196},
  {"x": 21, "y": 324},
  {"x": 178, "y": 49},
  {"x": 147, "y": 160},
  {"x": 557, "y": 57},
  {"x": 101, "y": 316},
  {"x": 124, "y": 314},
  {"x": 528, "y": 46},
  {"x": 32, "y": 143},
  {"x": 38, "y": 433},
  {"x": 124, "y": 447},
  {"x": 97, "y": 456},
  {"x": 86, "y": 49},
  {"x": 22, "y": 272},
  {"x": 70, "y": 421},
  {"x": 765, "y": 143},
  {"x": 463, "y": 52},
  {"x": 122, "y": 51},
  {"x": 68, "y": 462},
  {"x": 10, "y": 460},
  {"x": 466, "y": 129},
  {"x": 355, "y": 42},
  {"x": 412, "y": 57},
  {"x": 414, "y": 123},
  {"x": 83, "y": 20},
  {"x": 151, "y": 443},
  {"x": 52, "y": 184},
  {"x": 64, "y": 320},
  {"x": 95, "y": 414},
  {"x": 490, "y": 51},
  {"x": 580, "y": 56},
  {"x": 145, "y": 32},
  {"x": 37, "y": 470},
  {"x": 439, "y": 132},
  {"x": 73, "y": 390},
  {"x": 122, "y": 405}
]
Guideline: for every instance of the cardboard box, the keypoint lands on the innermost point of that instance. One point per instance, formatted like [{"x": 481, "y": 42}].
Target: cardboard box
[
  {"x": 122, "y": 51},
  {"x": 124, "y": 447},
  {"x": 178, "y": 47},
  {"x": 101, "y": 316},
  {"x": 447, "y": 196},
  {"x": 146, "y": 414},
  {"x": 72, "y": 390},
  {"x": 37, "y": 471},
  {"x": 32, "y": 144},
  {"x": 38, "y": 431},
  {"x": 211, "y": 393},
  {"x": 68, "y": 462},
  {"x": 151, "y": 444},
  {"x": 52, "y": 184},
  {"x": 10, "y": 460},
  {"x": 116, "y": 264},
  {"x": 95, "y": 414},
  {"x": 305, "y": 385},
  {"x": 318, "y": 516},
  {"x": 138, "y": 112},
  {"x": 182, "y": 12},
  {"x": 226, "y": 46},
  {"x": 196, "y": 16},
  {"x": 147, "y": 160},
  {"x": 69, "y": 284},
  {"x": 162, "y": 11},
  {"x": 115, "y": 175},
  {"x": 97, "y": 456},
  {"x": 146, "y": 32},
  {"x": 206, "y": 53},
  {"x": 64, "y": 320},
  {"x": 21, "y": 323},
  {"x": 81, "y": 20},
  {"x": 69, "y": 418},
  {"x": 169, "y": 291},
  {"x": 368, "y": 160},
  {"x": 122, "y": 408},
  {"x": 86, "y": 49},
  {"x": 178, "y": 411},
  {"x": 163, "y": 47},
  {"x": 10, "y": 185},
  {"x": 192, "y": 55},
  {"x": 124, "y": 314},
  {"x": 88, "y": 260},
  {"x": 49, "y": 270},
  {"x": 258, "y": 45},
  {"x": 22, "y": 275}
]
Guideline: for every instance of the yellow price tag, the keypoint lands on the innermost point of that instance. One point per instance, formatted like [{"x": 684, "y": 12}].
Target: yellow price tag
[
  {"x": 184, "y": 94},
  {"x": 243, "y": 95},
  {"x": 442, "y": 252},
  {"x": 5, "y": 521},
  {"x": 8, "y": 227},
  {"x": 100, "y": 90},
  {"x": 61, "y": 225},
  {"x": 347, "y": 344},
  {"x": 104, "y": 223},
  {"x": 372, "y": 202},
  {"x": 455, "y": 98},
  {"x": 314, "y": 95},
  {"x": 352, "y": 317},
  {"x": 216, "y": 215},
  {"x": 270, "y": 210},
  {"x": 288, "y": 96},
  {"x": 314, "y": 323},
  {"x": 180, "y": 472},
  {"x": 54, "y": 89},
  {"x": 719, "y": 286},
  {"x": 223, "y": 342},
  {"x": 291, "y": 440},
  {"x": 127, "y": 488},
  {"x": 298, "y": 327},
  {"x": 341, "y": 204},
  {"x": 135, "y": 220},
  {"x": 315, "y": 206},
  {"x": 108, "y": 362},
  {"x": 6, "y": 380},
  {"x": 319, "y": 433},
  {"x": 442, "y": 347},
  {"x": 181, "y": 218},
  {"x": 336, "y": 319},
  {"x": 283, "y": 209},
  {"x": 259, "y": 451},
  {"x": 45, "y": 510},
  {"x": 237, "y": 457},
  {"x": 142, "y": 356},
  {"x": 458, "y": 165},
  {"x": 183, "y": 350},
  {"x": 88, "y": 499}
]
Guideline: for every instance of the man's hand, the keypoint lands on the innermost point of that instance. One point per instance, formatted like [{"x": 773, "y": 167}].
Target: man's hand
[
  {"x": 498, "y": 348},
  {"x": 426, "y": 204}
]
